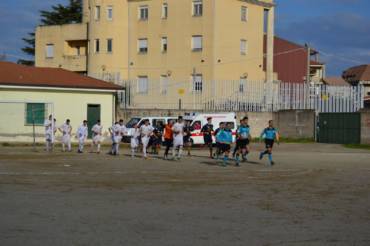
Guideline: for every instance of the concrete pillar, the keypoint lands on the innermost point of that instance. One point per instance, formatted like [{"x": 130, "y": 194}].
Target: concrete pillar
[{"x": 270, "y": 45}]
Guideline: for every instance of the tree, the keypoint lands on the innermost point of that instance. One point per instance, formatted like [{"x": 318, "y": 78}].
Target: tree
[{"x": 58, "y": 15}]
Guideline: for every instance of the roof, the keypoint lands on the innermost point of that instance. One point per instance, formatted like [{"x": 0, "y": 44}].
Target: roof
[
  {"x": 20, "y": 75},
  {"x": 338, "y": 81},
  {"x": 358, "y": 73}
]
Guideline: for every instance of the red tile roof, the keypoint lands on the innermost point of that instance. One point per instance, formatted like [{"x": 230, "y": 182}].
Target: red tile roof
[
  {"x": 338, "y": 81},
  {"x": 358, "y": 73},
  {"x": 20, "y": 75}
]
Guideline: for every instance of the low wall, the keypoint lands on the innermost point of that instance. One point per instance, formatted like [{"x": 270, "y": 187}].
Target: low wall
[
  {"x": 291, "y": 123},
  {"x": 365, "y": 127}
]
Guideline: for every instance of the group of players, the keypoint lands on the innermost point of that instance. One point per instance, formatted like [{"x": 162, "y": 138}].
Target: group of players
[{"x": 176, "y": 135}]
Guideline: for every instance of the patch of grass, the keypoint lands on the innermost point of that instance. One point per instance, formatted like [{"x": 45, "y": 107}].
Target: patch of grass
[{"x": 357, "y": 146}]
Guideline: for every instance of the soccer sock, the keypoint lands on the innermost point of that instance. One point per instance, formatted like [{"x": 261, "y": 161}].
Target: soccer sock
[
  {"x": 144, "y": 150},
  {"x": 132, "y": 152},
  {"x": 270, "y": 157},
  {"x": 98, "y": 147},
  {"x": 226, "y": 158},
  {"x": 180, "y": 151},
  {"x": 63, "y": 148},
  {"x": 174, "y": 151},
  {"x": 69, "y": 146},
  {"x": 237, "y": 157}
]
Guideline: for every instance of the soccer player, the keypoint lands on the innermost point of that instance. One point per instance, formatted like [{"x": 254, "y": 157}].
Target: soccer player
[
  {"x": 178, "y": 138},
  {"x": 66, "y": 130},
  {"x": 97, "y": 130},
  {"x": 237, "y": 142},
  {"x": 207, "y": 131},
  {"x": 49, "y": 133},
  {"x": 168, "y": 138},
  {"x": 225, "y": 138},
  {"x": 187, "y": 137},
  {"x": 218, "y": 150},
  {"x": 146, "y": 131},
  {"x": 270, "y": 134},
  {"x": 243, "y": 136},
  {"x": 82, "y": 133},
  {"x": 135, "y": 140},
  {"x": 115, "y": 135}
]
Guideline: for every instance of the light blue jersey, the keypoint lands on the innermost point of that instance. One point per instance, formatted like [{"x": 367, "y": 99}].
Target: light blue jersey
[
  {"x": 269, "y": 133},
  {"x": 225, "y": 136},
  {"x": 244, "y": 131}
]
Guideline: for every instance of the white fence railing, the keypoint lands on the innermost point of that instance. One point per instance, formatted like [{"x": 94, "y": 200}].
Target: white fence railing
[{"x": 239, "y": 95}]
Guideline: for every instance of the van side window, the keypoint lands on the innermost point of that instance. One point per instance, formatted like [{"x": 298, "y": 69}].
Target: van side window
[
  {"x": 197, "y": 125},
  {"x": 159, "y": 124}
]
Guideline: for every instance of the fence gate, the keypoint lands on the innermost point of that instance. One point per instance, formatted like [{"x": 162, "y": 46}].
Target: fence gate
[{"x": 339, "y": 128}]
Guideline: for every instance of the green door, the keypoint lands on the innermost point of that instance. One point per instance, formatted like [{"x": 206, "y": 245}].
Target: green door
[
  {"x": 339, "y": 128},
  {"x": 93, "y": 115}
]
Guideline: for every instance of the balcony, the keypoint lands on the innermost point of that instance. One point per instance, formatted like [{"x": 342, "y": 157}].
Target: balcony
[{"x": 74, "y": 63}]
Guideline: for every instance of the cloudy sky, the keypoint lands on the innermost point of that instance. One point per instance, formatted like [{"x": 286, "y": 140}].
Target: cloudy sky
[{"x": 339, "y": 29}]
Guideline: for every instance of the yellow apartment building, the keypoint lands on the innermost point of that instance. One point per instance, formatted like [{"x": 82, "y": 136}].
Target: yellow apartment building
[{"x": 157, "y": 42}]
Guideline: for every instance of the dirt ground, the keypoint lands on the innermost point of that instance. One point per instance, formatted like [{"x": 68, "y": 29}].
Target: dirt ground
[{"x": 315, "y": 195}]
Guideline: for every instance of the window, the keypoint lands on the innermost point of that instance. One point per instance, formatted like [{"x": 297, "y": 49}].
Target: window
[
  {"x": 143, "y": 84},
  {"x": 244, "y": 13},
  {"x": 110, "y": 13},
  {"x": 110, "y": 45},
  {"x": 164, "y": 44},
  {"x": 97, "y": 45},
  {"x": 242, "y": 85},
  {"x": 197, "y": 83},
  {"x": 50, "y": 51},
  {"x": 243, "y": 47},
  {"x": 97, "y": 13},
  {"x": 197, "y": 43},
  {"x": 143, "y": 12},
  {"x": 197, "y": 7},
  {"x": 143, "y": 45},
  {"x": 35, "y": 113},
  {"x": 164, "y": 84},
  {"x": 164, "y": 11}
]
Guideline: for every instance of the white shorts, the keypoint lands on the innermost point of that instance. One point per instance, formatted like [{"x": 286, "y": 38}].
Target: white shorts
[
  {"x": 178, "y": 140},
  {"x": 145, "y": 141},
  {"x": 97, "y": 139},
  {"x": 117, "y": 139},
  {"x": 134, "y": 143},
  {"x": 66, "y": 139}
]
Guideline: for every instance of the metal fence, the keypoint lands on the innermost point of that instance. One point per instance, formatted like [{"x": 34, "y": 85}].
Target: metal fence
[{"x": 239, "y": 95}]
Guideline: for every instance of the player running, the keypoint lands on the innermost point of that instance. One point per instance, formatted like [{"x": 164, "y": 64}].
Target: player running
[
  {"x": 269, "y": 134},
  {"x": 207, "y": 131},
  {"x": 187, "y": 137},
  {"x": 168, "y": 138},
  {"x": 146, "y": 130},
  {"x": 97, "y": 131},
  {"x": 218, "y": 150},
  {"x": 135, "y": 140},
  {"x": 178, "y": 138},
  {"x": 50, "y": 130},
  {"x": 225, "y": 138},
  {"x": 243, "y": 139},
  {"x": 66, "y": 130},
  {"x": 82, "y": 133}
]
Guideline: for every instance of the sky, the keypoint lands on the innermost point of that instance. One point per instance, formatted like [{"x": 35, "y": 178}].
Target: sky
[{"x": 339, "y": 29}]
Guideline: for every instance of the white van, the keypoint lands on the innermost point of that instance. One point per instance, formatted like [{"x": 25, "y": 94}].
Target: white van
[
  {"x": 199, "y": 120},
  {"x": 157, "y": 122}
]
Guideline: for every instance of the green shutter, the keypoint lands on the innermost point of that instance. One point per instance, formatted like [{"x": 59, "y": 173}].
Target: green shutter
[{"x": 35, "y": 112}]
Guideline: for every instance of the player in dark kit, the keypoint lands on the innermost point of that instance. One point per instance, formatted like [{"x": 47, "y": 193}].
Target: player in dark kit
[
  {"x": 269, "y": 134},
  {"x": 207, "y": 131},
  {"x": 243, "y": 138}
]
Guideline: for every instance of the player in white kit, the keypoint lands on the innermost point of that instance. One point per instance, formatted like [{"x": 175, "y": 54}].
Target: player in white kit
[
  {"x": 82, "y": 133},
  {"x": 97, "y": 131},
  {"x": 135, "y": 140},
  {"x": 178, "y": 138},
  {"x": 117, "y": 131},
  {"x": 66, "y": 130},
  {"x": 48, "y": 133},
  {"x": 145, "y": 131}
]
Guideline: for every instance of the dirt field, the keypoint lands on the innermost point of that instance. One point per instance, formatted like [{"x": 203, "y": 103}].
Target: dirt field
[{"x": 314, "y": 195}]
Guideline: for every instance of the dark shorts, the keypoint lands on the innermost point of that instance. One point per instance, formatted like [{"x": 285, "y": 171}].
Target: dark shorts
[
  {"x": 207, "y": 139},
  {"x": 224, "y": 147},
  {"x": 242, "y": 143},
  {"x": 269, "y": 143},
  {"x": 186, "y": 139},
  {"x": 168, "y": 142}
]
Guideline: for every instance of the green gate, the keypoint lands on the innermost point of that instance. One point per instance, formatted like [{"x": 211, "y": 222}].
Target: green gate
[
  {"x": 339, "y": 128},
  {"x": 93, "y": 115}
]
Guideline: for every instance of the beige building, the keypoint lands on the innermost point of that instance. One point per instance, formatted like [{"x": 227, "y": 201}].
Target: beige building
[{"x": 178, "y": 40}]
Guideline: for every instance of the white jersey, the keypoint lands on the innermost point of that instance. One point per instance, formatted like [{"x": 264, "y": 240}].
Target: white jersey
[
  {"x": 48, "y": 126},
  {"x": 178, "y": 134},
  {"x": 97, "y": 129},
  {"x": 82, "y": 132},
  {"x": 123, "y": 129},
  {"x": 146, "y": 131},
  {"x": 66, "y": 129}
]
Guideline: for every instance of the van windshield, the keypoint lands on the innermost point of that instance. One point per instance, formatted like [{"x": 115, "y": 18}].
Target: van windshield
[{"x": 132, "y": 122}]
